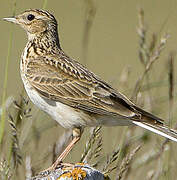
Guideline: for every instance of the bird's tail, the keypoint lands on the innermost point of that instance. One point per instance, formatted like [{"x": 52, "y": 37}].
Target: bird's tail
[
  {"x": 156, "y": 125},
  {"x": 158, "y": 129}
]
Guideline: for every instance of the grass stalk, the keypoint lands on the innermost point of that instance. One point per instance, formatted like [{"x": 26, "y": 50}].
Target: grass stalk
[
  {"x": 90, "y": 13},
  {"x": 168, "y": 158},
  {"x": 44, "y": 5},
  {"x": 3, "y": 116}
]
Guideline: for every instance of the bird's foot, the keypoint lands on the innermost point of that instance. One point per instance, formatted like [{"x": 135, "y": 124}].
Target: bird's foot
[
  {"x": 56, "y": 165},
  {"x": 52, "y": 168}
]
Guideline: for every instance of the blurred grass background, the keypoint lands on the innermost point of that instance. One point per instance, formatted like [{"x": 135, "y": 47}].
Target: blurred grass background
[{"x": 103, "y": 35}]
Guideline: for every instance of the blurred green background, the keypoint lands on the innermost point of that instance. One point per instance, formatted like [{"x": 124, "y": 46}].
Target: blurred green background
[{"x": 113, "y": 48}]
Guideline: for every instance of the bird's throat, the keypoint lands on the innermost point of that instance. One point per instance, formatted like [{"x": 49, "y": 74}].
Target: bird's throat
[
  {"x": 43, "y": 43},
  {"x": 40, "y": 45}
]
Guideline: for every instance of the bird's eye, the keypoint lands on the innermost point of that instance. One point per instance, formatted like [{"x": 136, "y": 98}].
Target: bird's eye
[{"x": 30, "y": 17}]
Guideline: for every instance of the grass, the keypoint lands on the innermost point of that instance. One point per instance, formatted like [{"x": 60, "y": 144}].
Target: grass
[
  {"x": 27, "y": 152},
  {"x": 44, "y": 4},
  {"x": 3, "y": 115}
]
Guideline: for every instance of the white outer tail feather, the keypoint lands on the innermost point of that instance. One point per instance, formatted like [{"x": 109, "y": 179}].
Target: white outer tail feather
[{"x": 150, "y": 128}]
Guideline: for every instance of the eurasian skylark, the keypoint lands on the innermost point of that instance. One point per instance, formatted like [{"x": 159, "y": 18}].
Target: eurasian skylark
[{"x": 71, "y": 94}]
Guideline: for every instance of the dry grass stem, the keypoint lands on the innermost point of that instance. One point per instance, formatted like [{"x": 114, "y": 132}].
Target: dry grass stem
[
  {"x": 95, "y": 136},
  {"x": 126, "y": 162},
  {"x": 152, "y": 155},
  {"x": 107, "y": 169},
  {"x": 90, "y": 12},
  {"x": 171, "y": 87},
  {"x": 151, "y": 61},
  {"x": 17, "y": 158},
  {"x": 28, "y": 170},
  {"x": 147, "y": 54}
]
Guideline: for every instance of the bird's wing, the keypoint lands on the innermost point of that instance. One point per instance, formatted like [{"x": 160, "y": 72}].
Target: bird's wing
[{"x": 62, "y": 79}]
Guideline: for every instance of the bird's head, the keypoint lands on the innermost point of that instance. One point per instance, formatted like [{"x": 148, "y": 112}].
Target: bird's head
[{"x": 34, "y": 21}]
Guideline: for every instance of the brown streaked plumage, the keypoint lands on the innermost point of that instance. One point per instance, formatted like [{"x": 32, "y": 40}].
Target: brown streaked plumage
[{"x": 70, "y": 93}]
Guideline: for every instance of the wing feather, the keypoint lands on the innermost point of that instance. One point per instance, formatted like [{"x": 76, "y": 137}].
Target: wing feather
[{"x": 65, "y": 80}]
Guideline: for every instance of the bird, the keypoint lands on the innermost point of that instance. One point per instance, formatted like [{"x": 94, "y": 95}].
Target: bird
[{"x": 67, "y": 91}]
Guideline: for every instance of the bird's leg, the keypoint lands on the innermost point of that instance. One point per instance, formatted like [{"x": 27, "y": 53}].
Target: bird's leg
[{"x": 77, "y": 132}]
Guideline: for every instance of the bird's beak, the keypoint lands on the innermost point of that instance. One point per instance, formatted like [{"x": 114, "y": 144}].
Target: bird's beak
[{"x": 11, "y": 19}]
